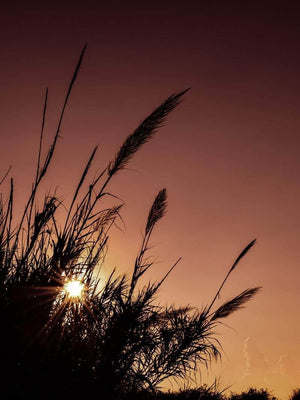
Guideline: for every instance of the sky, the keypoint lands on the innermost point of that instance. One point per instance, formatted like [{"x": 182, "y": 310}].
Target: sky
[{"x": 228, "y": 155}]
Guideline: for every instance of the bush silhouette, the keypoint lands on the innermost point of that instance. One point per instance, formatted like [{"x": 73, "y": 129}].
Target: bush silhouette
[
  {"x": 253, "y": 394},
  {"x": 295, "y": 395},
  {"x": 114, "y": 339}
]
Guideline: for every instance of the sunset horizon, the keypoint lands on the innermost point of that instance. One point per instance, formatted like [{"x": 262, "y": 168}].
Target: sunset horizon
[{"x": 226, "y": 151}]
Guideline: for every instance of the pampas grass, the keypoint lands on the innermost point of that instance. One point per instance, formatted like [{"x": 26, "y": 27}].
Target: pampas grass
[{"x": 117, "y": 338}]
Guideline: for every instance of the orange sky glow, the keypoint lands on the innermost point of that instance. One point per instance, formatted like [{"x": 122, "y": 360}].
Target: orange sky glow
[{"x": 228, "y": 155}]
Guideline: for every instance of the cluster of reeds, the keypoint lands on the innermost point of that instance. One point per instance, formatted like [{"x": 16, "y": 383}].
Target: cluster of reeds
[{"x": 113, "y": 339}]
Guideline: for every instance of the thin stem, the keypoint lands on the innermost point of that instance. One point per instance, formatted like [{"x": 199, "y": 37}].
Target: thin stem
[{"x": 241, "y": 255}]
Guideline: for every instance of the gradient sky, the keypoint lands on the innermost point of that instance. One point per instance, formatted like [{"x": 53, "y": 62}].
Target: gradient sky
[{"x": 228, "y": 155}]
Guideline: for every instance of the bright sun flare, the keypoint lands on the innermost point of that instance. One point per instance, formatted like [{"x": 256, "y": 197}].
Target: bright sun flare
[{"x": 74, "y": 289}]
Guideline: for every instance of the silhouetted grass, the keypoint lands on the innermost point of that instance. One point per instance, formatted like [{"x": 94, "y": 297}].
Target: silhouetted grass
[
  {"x": 116, "y": 340},
  {"x": 203, "y": 392}
]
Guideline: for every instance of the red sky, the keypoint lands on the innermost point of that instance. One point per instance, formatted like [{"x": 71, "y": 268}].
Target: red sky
[{"x": 229, "y": 155}]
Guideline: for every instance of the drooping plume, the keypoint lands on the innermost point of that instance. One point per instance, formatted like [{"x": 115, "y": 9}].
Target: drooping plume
[
  {"x": 157, "y": 210},
  {"x": 144, "y": 132}
]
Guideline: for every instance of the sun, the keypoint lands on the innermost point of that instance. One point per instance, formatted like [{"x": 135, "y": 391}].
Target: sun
[{"x": 74, "y": 289}]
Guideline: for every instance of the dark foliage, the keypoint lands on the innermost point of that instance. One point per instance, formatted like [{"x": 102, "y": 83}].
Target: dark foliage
[
  {"x": 295, "y": 395},
  {"x": 253, "y": 394}
]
